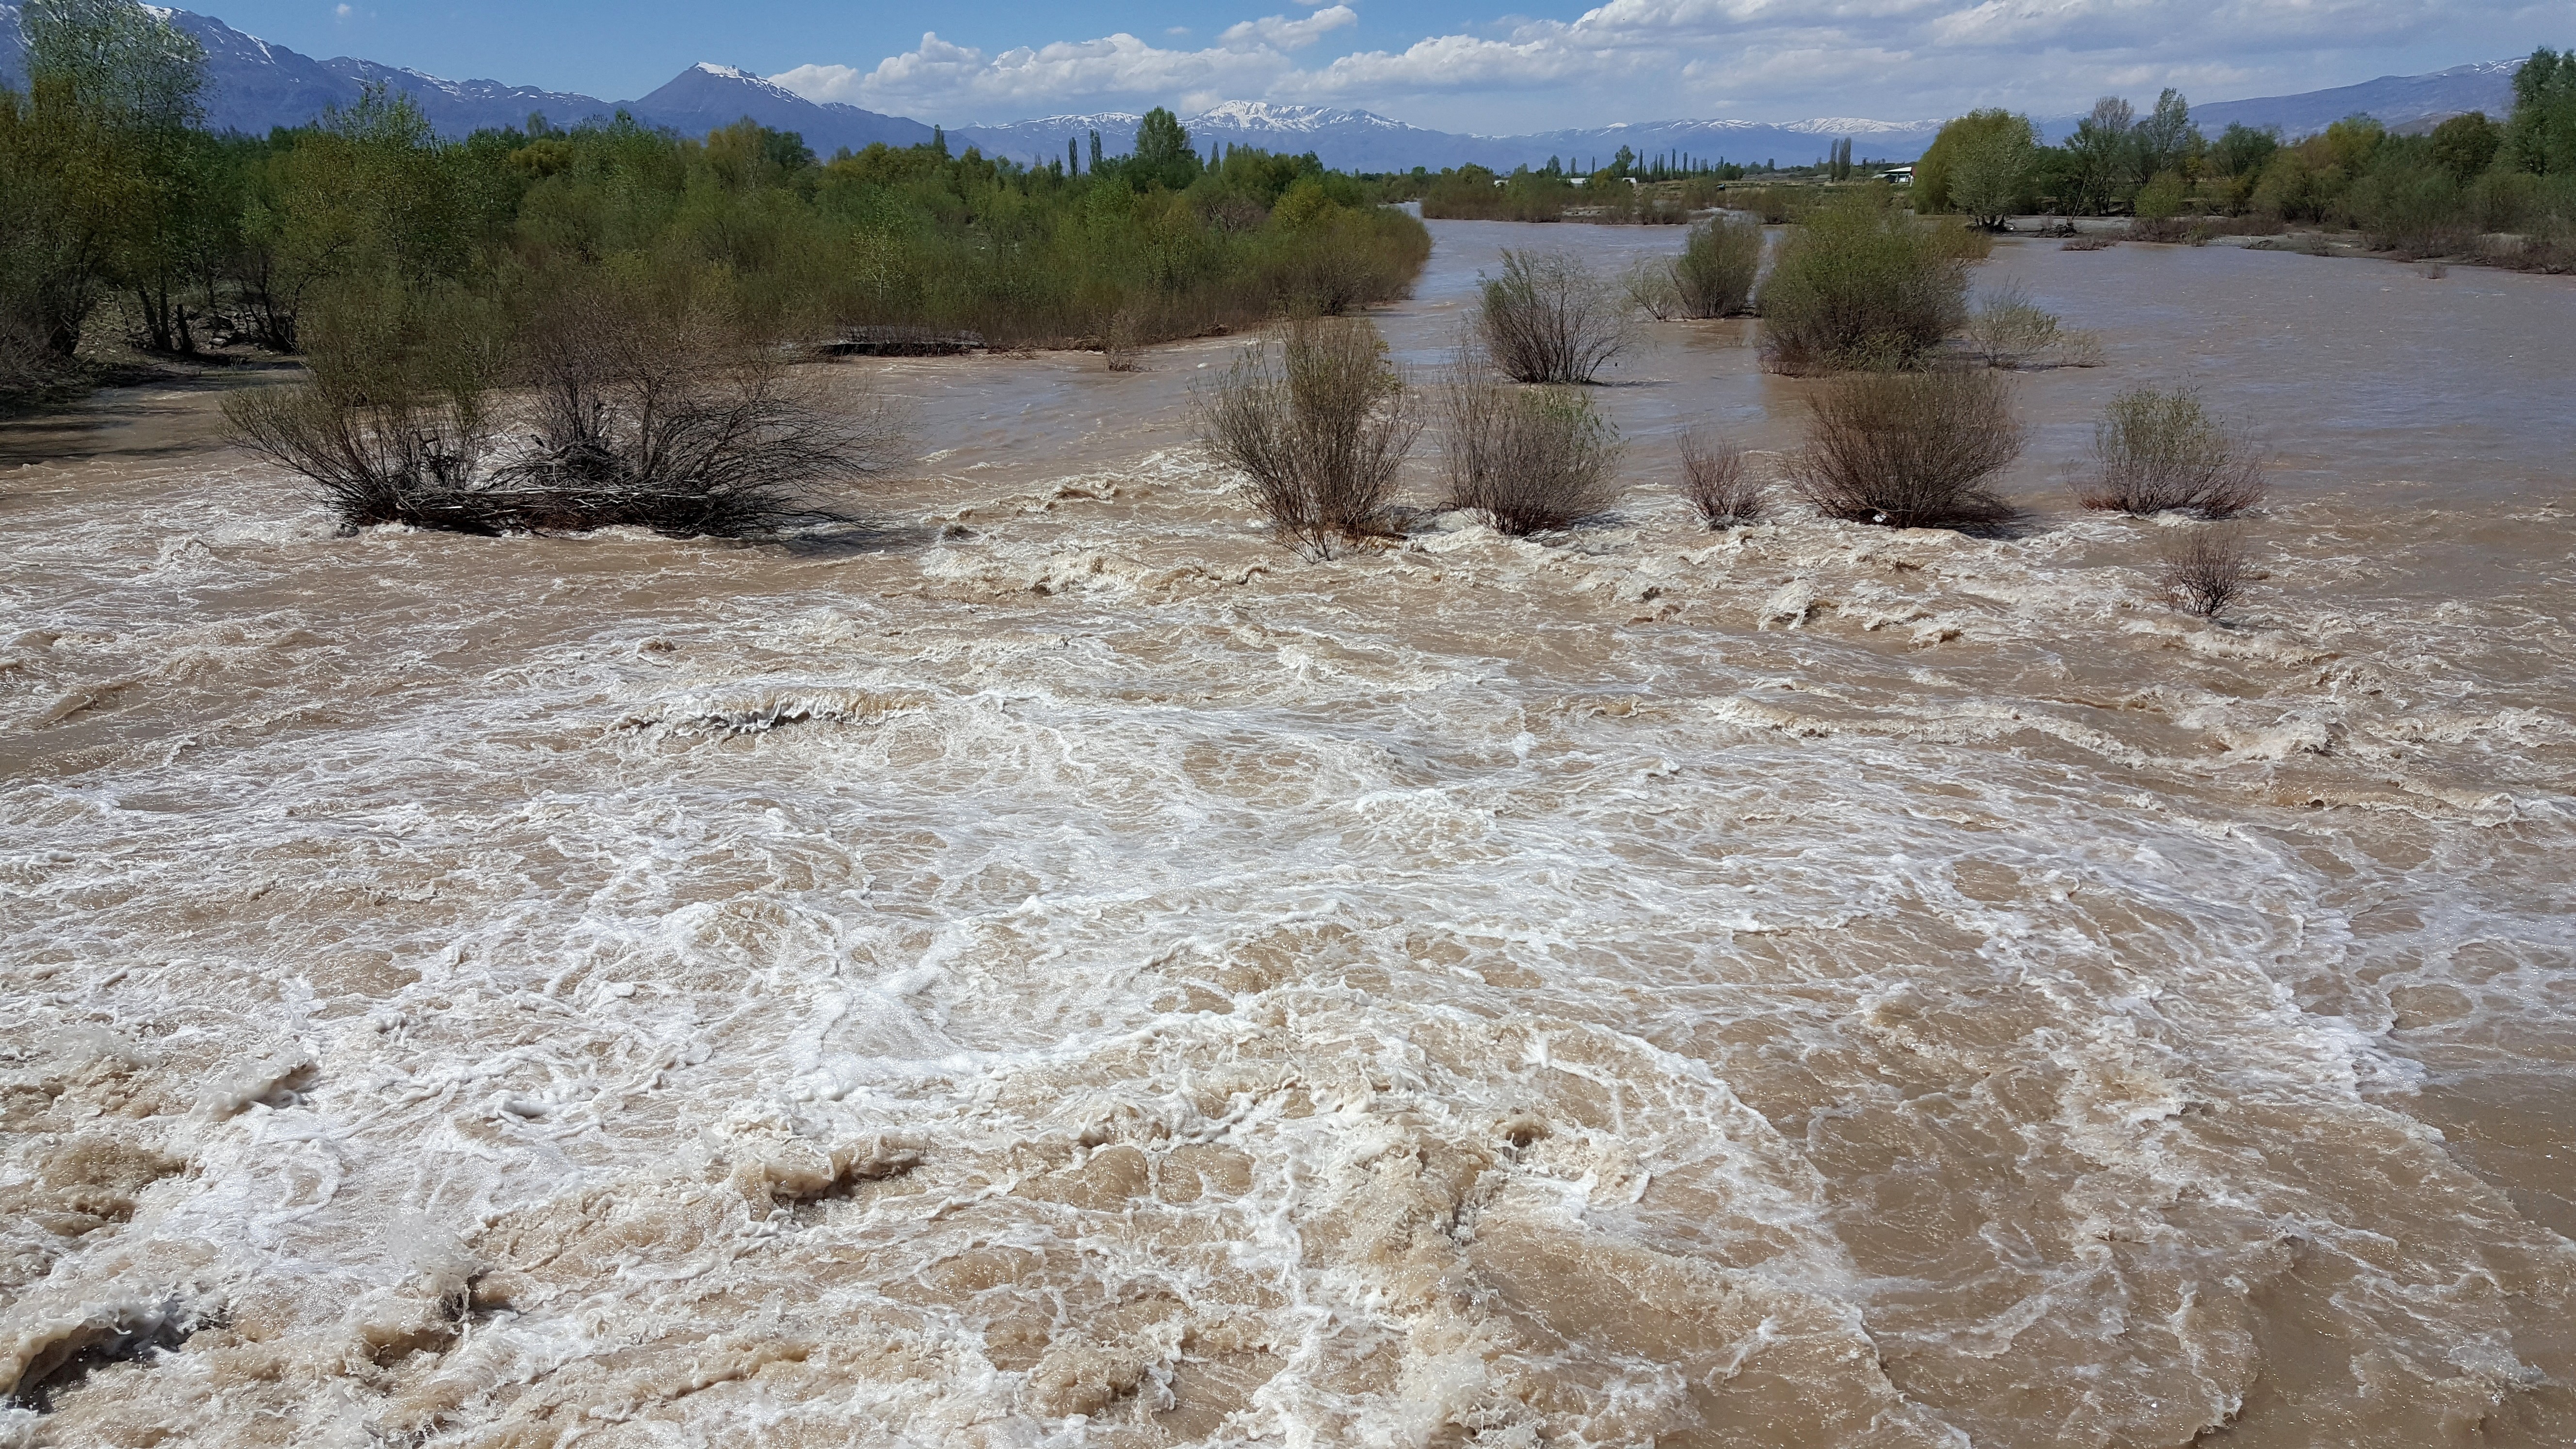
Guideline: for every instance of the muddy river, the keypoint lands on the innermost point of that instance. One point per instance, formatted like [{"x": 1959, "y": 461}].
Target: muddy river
[{"x": 1057, "y": 969}]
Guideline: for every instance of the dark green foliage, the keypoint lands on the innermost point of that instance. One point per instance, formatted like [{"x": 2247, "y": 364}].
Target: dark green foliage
[
  {"x": 2541, "y": 138},
  {"x": 2466, "y": 145},
  {"x": 2241, "y": 150}
]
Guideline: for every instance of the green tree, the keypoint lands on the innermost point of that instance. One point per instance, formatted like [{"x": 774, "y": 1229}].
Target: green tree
[
  {"x": 1161, "y": 139},
  {"x": 1990, "y": 175},
  {"x": 2241, "y": 150},
  {"x": 2103, "y": 156},
  {"x": 2466, "y": 145},
  {"x": 98, "y": 167},
  {"x": 2541, "y": 137},
  {"x": 1939, "y": 164},
  {"x": 2167, "y": 140}
]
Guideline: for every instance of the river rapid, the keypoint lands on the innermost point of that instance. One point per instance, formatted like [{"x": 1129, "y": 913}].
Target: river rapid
[{"x": 1059, "y": 970}]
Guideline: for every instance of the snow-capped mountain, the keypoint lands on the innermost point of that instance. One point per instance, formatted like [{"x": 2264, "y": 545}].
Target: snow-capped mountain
[
  {"x": 705, "y": 96},
  {"x": 2400, "y": 102},
  {"x": 1346, "y": 139},
  {"x": 253, "y": 85}
]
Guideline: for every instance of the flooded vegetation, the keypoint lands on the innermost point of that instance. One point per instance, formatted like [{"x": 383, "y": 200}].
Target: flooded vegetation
[{"x": 1051, "y": 965}]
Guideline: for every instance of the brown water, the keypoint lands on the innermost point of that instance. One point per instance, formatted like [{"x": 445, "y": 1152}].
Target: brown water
[{"x": 1063, "y": 971}]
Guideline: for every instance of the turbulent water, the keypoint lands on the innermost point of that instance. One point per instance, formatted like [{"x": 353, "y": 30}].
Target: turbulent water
[{"x": 1059, "y": 970}]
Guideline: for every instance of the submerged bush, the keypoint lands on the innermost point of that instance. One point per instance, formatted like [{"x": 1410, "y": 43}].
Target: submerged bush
[
  {"x": 2205, "y": 569},
  {"x": 1718, "y": 264},
  {"x": 2158, "y": 451},
  {"x": 2007, "y": 329},
  {"x": 1527, "y": 458},
  {"x": 1321, "y": 424},
  {"x": 1910, "y": 450},
  {"x": 1653, "y": 287},
  {"x": 648, "y": 411},
  {"x": 1547, "y": 318},
  {"x": 1860, "y": 286},
  {"x": 1717, "y": 484}
]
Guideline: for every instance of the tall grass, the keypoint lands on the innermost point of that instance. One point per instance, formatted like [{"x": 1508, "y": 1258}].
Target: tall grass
[
  {"x": 1321, "y": 424},
  {"x": 1715, "y": 273},
  {"x": 1911, "y": 450},
  {"x": 1861, "y": 287},
  {"x": 1550, "y": 319}
]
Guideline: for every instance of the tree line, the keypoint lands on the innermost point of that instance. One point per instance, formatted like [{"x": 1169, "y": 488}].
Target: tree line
[
  {"x": 2471, "y": 175},
  {"x": 122, "y": 218}
]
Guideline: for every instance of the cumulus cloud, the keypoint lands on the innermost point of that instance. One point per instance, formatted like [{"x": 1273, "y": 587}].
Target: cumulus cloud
[
  {"x": 1278, "y": 32},
  {"x": 1748, "y": 59},
  {"x": 941, "y": 78}
]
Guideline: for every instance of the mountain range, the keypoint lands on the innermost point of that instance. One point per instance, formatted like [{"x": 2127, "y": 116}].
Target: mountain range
[{"x": 253, "y": 85}]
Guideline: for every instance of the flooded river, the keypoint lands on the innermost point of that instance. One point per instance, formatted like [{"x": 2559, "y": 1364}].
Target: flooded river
[{"x": 1061, "y": 970}]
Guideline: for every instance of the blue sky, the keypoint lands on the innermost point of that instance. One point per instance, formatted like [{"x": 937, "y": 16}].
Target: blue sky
[{"x": 1452, "y": 64}]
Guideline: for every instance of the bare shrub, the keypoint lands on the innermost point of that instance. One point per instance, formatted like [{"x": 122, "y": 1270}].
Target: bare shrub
[
  {"x": 656, "y": 411},
  {"x": 2205, "y": 569},
  {"x": 1860, "y": 286},
  {"x": 393, "y": 426},
  {"x": 1721, "y": 489},
  {"x": 2007, "y": 329},
  {"x": 646, "y": 412},
  {"x": 2078, "y": 347},
  {"x": 415, "y": 460},
  {"x": 2158, "y": 451},
  {"x": 1651, "y": 285},
  {"x": 1321, "y": 424},
  {"x": 1118, "y": 342},
  {"x": 1527, "y": 458},
  {"x": 2089, "y": 242},
  {"x": 1549, "y": 319},
  {"x": 1715, "y": 272},
  {"x": 1911, "y": 450}
]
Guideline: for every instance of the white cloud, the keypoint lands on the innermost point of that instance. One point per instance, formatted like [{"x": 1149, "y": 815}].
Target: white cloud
[
  {"x": 1750, "y": 59},
  {"x": 1281, "y": 33}
]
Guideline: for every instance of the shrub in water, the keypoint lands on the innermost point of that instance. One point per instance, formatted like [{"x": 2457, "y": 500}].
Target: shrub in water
[
  {"x": 1321, "y": 424},
  {"x": 1527, "y": 458},
  {"x": 1911, "y": 450},
  {"x": 1549, "y": 319},
  {"x": 2008, "y": 329},
  {"x": 1714, "y": 275},
  {"x": 1860, "y": 286},
  {"x": 2205, "y": 569},
  {"x": 1718, "y": 485},
  {"x": 2158, "y": 451}
]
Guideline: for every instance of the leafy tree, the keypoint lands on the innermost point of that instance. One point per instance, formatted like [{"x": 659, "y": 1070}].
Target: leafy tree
[
  {"x": 2166, "y": 140},
  {"x": 100, "y": 171},
  {"x": 2466, "y": 145},
  {"x": 2241, "y": 150},
  {"x": 2541, "y": 137},
  {"x": 2102, "y": 156},
  {"x": 1991, "y": 172},
  {"x": 1939, "y": 164}
]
